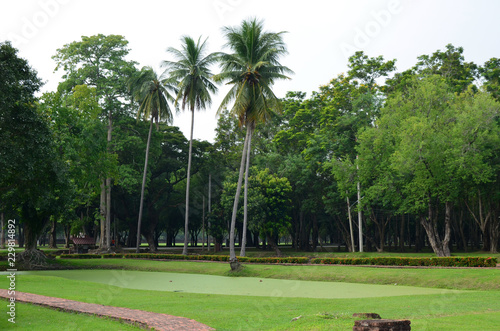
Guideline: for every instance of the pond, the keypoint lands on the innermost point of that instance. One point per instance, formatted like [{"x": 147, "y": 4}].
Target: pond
[{"x": 209, "y": 284}]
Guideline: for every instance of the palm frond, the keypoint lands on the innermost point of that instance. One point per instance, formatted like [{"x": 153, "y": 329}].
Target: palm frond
[
  {"x": 192, "y": 73},
  {"x": 152, "y": 94},
  {"x": 252, "y": 68}
]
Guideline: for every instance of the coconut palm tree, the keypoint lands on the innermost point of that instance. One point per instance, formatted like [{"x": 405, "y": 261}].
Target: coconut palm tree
[
  {"x": 192, "y": 70},
  {"x": 153, "y": 96},
  {"x": 251, "y": 69}
]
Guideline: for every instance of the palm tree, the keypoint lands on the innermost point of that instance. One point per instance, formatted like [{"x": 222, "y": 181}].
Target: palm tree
[
  {"x": 192, "y": 71},
  {"x": 251, "y": 69},
  {"x": 153, "y": 95}
]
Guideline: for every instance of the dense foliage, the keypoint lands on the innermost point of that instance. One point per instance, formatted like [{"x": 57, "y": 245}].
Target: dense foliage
[{"x": 416, "y": 153}]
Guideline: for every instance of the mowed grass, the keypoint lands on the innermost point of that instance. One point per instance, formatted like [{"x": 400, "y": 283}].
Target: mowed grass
[
  {"x": 33, "y": 317},
  {"x": 334, "y": 252},
  {"x": 475, "y": 309},
  {"x": 464, "y": 310}
]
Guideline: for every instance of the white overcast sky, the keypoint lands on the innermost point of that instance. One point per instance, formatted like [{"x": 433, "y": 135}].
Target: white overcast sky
[{"x": 321, "y": 34}]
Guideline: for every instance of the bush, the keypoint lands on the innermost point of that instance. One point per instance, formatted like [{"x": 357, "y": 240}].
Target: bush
[
  {"x": 295, "y": 260},
  {"x": 412, "y": 261},
  {"x": 80, "y": 256}
]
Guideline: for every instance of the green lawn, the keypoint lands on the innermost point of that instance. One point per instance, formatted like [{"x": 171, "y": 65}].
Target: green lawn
[
  {"x": 227, "y": 312},
  {"x": 450, "y": 310},
  {"x": 32, "y": 317}
]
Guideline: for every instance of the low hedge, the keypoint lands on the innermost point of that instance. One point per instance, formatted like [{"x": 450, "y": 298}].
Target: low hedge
[
  {"x": 383, "y": 261},
  {"x": 221, "y": 258},
  {"x": 413, "y": 261},
  {"x": 80, "y": 256},
  {"x": 295, "y": 260},
  {"x": 176, "y": 257}
]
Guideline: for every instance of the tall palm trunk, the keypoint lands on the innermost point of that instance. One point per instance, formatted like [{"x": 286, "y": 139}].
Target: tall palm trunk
[
  {"x": 2, "y": 231},
  {"x": 232, "y": 253},
  {"x": 245, "y": 199},
  {"x": 186, "y": 220},
  {"x": 141, "y": 205}
]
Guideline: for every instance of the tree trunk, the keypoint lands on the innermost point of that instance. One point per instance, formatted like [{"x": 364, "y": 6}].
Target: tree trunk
[
  {"x": 380, "y": 227},
  {"x": 31, "y": 258},
  {"x": 2, "y": 231},
  {"x": 315, "y": 232},
  {"x": 360, "y": 213},
  {"x": 273, "y": 244},
  {"x": 150, "y": 238},
  {"x": 305, "y": 233},
  {"x": 209, "y": 208},
  {"x": 30, "y": 239},
  {"x": 21, "y": 235},
  {"x": 447, "y": 229},
  {"x": 232, "y": 253},
  {"x": 296, "y": 229},
  {"x": 102, "y": 240},
  {"x": 440, "y": 247},
  {"x": 461, "y": 230},
  {"x": 345, "y": 236},
  {"x": 350, "y": 226},
  {"x": 186, "y": 217},
  {"x": 419, "y": 241},
  {"x": 402, "y": 234},
  {"x": 108, "y": 213},
  {"x": 494, "y": 233},
  {"x": 67, "y": 232},
  {"x": 108, "y": 188},
  {"x": 53, "y": 235},
  {"x": 256, "y": 239},
  {"x": 141, "y": 205},
  {"x": 203, "y": 226},
  {"x": 481, "y": 220},
  {"x": 245, "y": 199}
]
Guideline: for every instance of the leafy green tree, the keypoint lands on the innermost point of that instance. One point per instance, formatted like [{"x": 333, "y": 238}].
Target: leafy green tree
[
  {"x": 80, "y": 141},
  {"x": 321, "y": 134},
  {"x": 352, "y": 103},
  {"x": 192, "y": 71},
  {"x": 275, "y": 207},
  {"x": 490, "y": 71},
  {"x": 451, "y": 65},
  {"x": 269, "y": 204},
  {"x": 432, "y": 138},
  {"x": 369, "y": 69},
  {"x": 229, "y": 138},
  {"x": 33, "y": 180},
  {"x": 99, "y": 61},
  {"x": 153, "y": 96},
  {"x": 251, "y": 69}
]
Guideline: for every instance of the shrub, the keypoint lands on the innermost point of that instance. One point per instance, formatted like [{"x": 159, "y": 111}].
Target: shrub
[
  {"x": 80, "y": 256},
  {"x": 413, "y": 261}
]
